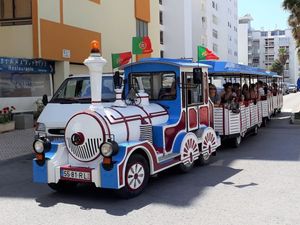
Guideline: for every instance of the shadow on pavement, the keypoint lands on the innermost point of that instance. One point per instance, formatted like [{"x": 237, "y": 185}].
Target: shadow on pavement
[
  {"x": 278, "y": 141},
  {"x": 169, "y": 187}
]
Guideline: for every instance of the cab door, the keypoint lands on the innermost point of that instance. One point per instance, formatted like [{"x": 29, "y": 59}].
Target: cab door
[{"x": 193, "y": 100}]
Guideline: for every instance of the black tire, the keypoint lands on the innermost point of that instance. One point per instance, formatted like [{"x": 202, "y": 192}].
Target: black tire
[
  {"x": 63, "y": 186},
  {"x": 264, "y": 122},
  {"x": 185, "y": 168},
  {"x": 255, "y": 131},
  {"x": 203, "y": 161},
  {"x": 236, "y": 142},
  {"x": 128, "y": 191}
]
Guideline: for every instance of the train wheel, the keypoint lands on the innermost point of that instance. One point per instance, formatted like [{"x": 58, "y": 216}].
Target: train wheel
[
  {"x": 264, "y": 122},
  {"x": 189, "y": 152},
  {"x": 255, "y": 130},
  {"x": 63, "y": 186},
  {"x": 236, "y": 142},
  {"x": 136, "y": 177},
  {"x": 208, "y": 145}
]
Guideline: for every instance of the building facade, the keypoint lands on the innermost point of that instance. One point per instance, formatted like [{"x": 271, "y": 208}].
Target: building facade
[
  {"x": 187, "y": 24},
  {"x": 58, "y": 33},
  {"x": 260, "y": 48}
]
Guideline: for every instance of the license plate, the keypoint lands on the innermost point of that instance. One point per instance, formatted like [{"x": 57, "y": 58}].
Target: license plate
[{"x": 75, "y": 175}]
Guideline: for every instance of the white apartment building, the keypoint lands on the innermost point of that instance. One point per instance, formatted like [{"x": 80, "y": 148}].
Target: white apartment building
[
  {"x": 189, "y": 23},
  {"x": 260, "y": 48}
]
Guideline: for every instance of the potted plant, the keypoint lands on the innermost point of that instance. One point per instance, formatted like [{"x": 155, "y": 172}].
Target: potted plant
[{"x": 6, "y": 122}]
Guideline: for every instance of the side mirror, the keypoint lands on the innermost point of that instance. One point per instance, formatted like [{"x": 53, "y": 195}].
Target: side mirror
[
  {"x": 45, "y": 100},
  {"x": 118, "y": 80},
  {"x": 197, "y": 75}
]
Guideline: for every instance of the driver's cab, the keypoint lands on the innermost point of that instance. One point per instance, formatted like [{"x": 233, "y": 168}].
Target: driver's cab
[{"x": 180, "y": 86}]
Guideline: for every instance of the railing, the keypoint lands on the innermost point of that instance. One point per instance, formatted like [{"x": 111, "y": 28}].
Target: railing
[{"x": 16, "y": 21}]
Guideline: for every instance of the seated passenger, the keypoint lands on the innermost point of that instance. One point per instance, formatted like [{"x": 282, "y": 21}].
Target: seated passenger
[
  {"x": 260, "y": 89},
  {"x": 213, "y": 95},
  {"x": 237, "y": 91},
  {"x": 168, "y": 94},
  {"x": 253, "y": 92},
  {"x": 227, "y": 95},
  {"x": 245, "y": 92}
]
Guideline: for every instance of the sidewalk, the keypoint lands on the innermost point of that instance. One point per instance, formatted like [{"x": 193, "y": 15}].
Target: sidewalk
[{"x": 16, "y": 143}]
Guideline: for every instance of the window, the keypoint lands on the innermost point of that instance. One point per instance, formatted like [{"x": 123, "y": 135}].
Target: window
[
  {"x": 215, "y": 20},
  {"x": 24, "y": 85},
  {"x": 193, "y": 91},
  {"x": 215, "y": 33},
  {"x": 161, "y": 37},
  {"x": 264, "y": 33},
  {"x": 281, "y": 32},
  {"x": 158, "y": 85},
  {"x": 79, "y": 90},
  {"x": 161, "y": 22},
  {"x": 141, "y": 28},
  {"x": 274, "y": 33},
  {"x": 15, "y": 12},
  {"x": 215, "y": 47}
]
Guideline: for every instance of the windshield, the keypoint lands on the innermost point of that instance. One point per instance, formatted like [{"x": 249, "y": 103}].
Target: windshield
[{"x": 78, "y": 90}]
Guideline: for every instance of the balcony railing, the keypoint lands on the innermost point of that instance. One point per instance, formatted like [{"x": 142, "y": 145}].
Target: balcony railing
[{"x": 17, "y": 21}]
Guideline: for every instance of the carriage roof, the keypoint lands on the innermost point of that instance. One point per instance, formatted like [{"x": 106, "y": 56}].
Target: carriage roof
[{"x": 224, "y": 68}]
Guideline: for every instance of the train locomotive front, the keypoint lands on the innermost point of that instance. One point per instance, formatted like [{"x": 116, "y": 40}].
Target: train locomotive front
[{"x": 119, "y": 147}]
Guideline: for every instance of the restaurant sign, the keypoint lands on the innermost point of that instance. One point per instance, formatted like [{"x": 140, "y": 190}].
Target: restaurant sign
[{"x": 21, "y": 65}]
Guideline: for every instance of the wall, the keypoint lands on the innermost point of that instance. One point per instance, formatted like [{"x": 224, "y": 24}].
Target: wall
[
  {"x": 16, "y": 41},
  {"x": 243, "y": 43}
]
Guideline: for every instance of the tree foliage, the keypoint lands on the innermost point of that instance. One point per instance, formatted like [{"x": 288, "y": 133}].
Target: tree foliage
[
  {"x": 277, "y": 67},
  {"x": 294, "y": 19}
]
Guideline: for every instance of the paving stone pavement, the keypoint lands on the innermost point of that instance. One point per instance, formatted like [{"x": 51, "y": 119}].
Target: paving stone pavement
[{"x": 16, "y": 143}]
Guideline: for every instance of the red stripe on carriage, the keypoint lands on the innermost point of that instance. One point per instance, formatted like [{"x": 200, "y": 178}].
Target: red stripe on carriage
[
  {"x": 193, "y": 118},
  {"x": 171, "y": 132},
  {"x": 203, "y": 115},
  {"x": 124, "y": 120}
]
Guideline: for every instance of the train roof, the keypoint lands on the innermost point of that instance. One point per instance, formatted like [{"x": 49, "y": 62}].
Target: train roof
[
  {"x": 229, "y": 68},
  {"x": 167, "y": 61}
]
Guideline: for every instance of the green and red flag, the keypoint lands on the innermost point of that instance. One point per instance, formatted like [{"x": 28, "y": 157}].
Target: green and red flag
[
  {"x": 120, "y": 59},
  {"x": 206, "y": 54},
  {"x": 141, "y": 45}
]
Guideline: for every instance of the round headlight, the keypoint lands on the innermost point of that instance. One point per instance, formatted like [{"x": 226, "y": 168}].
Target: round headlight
[
  {"x": 38, "y": 146},
  {"x": 107, "y": 149}
]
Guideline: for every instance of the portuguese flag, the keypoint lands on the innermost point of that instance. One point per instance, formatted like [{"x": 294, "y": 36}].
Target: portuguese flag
[
  {"x": 206, "y": 54},
  {"x": 120, "y": 59},
  {"x": 141, "y": 45}
]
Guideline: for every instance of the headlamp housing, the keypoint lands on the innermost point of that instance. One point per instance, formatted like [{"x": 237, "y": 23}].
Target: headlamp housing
[{"x": 109, "y": 148}]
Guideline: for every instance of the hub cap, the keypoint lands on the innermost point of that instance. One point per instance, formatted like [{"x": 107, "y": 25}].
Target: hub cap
[{"x": 135, "y": 176}]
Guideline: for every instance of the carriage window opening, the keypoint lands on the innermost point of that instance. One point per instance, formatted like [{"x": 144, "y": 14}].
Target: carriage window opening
[
  {"x": 194, "y": 91},
  {"x": 159, "y": 86}
]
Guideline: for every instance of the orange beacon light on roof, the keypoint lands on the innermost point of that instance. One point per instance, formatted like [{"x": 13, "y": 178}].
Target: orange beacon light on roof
[{"x": 95, "y": 46}]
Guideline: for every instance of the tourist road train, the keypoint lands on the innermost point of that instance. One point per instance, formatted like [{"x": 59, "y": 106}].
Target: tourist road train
[{"x": 162, "y": 117}]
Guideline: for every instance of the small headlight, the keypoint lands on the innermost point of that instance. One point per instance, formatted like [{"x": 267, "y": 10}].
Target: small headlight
[
  {"x": 107, "y": 149},
  {"x": 38, "y": 146}
]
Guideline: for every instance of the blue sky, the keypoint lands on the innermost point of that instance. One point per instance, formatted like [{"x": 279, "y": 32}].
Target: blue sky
[{"x": 266, "y": 13}]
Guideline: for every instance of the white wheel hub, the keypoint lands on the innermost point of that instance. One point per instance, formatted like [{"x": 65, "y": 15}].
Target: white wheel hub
[
  {"x": 189, "y": 149},
  {"x": 209, "y": 144},
  {"x": 135, "y": 176}
]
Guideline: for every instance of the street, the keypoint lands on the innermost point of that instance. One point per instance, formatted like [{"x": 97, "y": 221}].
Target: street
[{"x": 258, "y": 183}]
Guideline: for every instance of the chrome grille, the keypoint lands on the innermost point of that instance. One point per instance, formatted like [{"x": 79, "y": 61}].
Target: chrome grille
[{"x": 86, "y": 152}]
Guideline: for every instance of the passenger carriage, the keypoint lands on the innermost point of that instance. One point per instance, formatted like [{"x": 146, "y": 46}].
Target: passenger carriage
[
  {"x": 165, "y": 120},
  {"x": 233, "y": 124}
]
